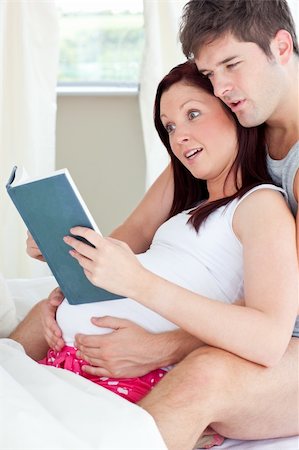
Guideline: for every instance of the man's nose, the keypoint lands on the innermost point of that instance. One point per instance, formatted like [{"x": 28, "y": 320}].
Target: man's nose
[{"x": 222, "y": 85}]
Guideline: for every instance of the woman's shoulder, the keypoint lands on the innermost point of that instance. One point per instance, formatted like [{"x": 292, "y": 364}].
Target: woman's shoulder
[
  {"x": 262, "y": 190},
  {"x": 264, "y": 203},
  {"x": 263, "y": 195}
]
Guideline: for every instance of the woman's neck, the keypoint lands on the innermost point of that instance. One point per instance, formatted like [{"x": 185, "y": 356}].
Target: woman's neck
[{"x": 223, "y": 187}]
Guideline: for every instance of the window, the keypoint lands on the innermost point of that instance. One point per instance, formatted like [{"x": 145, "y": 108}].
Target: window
[{"x": 101, "y": 42}]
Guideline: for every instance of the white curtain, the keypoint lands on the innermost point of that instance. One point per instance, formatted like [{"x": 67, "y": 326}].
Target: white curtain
[
  {"x": 294, "y": 7},
  {"x": 162, "y": 52},
  {"x": 28, "y": 73}
]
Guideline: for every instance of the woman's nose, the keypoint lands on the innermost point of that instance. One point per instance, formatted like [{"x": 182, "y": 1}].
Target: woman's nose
[{"x": 182, "y": 136}]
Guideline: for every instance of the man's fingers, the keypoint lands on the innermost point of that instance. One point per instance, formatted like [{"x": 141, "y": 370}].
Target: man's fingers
[
  {"x": 87, "y": 352},
  {"x": 97, "y": 371},
  {"x": 109, "y": 322},
  {"x": 89, "y": 340}
]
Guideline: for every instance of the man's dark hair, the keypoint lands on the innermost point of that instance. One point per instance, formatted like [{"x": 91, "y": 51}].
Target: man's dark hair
[{"x": 255, "y": 21}]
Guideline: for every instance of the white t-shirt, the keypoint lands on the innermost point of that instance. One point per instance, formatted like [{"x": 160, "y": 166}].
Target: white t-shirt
[{"x": 209, "y": 263}]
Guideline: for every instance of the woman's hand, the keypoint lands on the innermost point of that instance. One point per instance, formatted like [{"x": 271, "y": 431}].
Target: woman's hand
[
  {"x": 110, "y": 264},
  {"x": 52, "y": 332},
  {"x": 32, "y": 248}
]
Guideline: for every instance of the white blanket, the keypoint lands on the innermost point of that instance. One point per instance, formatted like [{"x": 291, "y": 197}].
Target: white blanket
[
  {"x": 44, "y": 408},
  {"x": 8, "y": 314}
]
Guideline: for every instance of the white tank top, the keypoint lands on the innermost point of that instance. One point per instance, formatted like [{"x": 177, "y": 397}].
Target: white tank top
[{"x": 209, "y": 263}]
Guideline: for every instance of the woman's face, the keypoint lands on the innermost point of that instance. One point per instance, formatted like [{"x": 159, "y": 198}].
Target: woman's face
[{"x": 201, "y": 133}]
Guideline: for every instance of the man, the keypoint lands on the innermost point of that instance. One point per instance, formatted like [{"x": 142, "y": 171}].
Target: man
[{"x": 249, "y": 51}]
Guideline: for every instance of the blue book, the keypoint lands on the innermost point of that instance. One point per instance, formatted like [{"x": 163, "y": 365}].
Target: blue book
[{"x": 50, "y": 206}]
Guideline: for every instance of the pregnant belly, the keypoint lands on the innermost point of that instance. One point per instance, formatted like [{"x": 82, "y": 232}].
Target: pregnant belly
[{"x": 73, "y": 319}]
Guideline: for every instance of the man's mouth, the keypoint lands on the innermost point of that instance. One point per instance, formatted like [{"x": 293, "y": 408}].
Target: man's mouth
[
  {"x": 236, "y": 105},
  {"x": 190, "y": 154}
]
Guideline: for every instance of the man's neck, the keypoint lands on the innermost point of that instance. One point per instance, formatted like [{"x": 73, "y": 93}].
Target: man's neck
[
  {"x": 280, "y": 140},
  {"x": 282, "y": 130}
]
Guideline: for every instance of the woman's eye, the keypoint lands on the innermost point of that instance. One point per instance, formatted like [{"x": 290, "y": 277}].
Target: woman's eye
[
  {"x": 193, "y": 114},
  {"x": 169, "y": 127}
]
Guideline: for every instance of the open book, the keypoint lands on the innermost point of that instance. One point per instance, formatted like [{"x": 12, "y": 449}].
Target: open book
[{"x": 50, "y": 206}]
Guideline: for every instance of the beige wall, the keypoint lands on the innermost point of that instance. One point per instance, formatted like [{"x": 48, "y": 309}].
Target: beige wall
[{"x": 99, "y": 139}]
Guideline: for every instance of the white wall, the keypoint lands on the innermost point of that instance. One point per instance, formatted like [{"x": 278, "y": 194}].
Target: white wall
[{"x": 99, "y": 139}]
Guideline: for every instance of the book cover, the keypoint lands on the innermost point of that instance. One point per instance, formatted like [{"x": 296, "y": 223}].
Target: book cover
[{"x": 50, "y": 206}]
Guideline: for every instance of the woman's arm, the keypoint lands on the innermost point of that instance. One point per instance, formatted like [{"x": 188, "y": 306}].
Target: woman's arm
[
  {"x": 261, "y": 330},
  {"x": 146, "y": 351},
  {"x": 137, "y": 231}
]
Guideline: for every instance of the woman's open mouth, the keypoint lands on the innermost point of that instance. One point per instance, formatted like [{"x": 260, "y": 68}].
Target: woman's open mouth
[{"x": 191, "y": 154}]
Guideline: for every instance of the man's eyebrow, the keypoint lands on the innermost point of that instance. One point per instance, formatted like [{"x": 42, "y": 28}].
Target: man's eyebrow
[{"x": 220, "y": 63}]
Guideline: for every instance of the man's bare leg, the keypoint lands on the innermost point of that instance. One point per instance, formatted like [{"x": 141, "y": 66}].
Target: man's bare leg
[
  {"x": 239, "y": 399},
  {"x": 29, "y": 333}
]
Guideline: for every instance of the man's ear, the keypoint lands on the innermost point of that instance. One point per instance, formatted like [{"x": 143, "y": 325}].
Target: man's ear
[{"x": 282, "y": 46}]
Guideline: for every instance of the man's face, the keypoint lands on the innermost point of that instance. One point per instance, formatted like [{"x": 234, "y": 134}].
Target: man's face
[{"x": 244, "y": 78}]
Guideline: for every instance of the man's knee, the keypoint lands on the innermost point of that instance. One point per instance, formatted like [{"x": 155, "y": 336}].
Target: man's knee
[
  {"x": 32, "y": 318},
  {"x": 29, "y": 333},
  {"x": 206, "y": 372},
  {"x": 211, "y": 363}
]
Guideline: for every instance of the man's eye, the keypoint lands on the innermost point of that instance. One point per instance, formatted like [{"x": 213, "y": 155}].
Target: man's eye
[
  {"x": 193, "y": 114},
  {"x": 232, "y": 66}
]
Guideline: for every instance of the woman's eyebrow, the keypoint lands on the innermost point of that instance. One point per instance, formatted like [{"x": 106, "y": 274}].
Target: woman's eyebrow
[
  {"x": 191, "y": 100},
  {"x": 184, "y": 104}
]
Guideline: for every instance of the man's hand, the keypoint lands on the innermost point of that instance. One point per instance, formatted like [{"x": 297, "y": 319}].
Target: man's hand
[
  {"x": 32, "y": 248},
  {"x": 52, "y": 332},
  {"x": 129, "y": 350}
]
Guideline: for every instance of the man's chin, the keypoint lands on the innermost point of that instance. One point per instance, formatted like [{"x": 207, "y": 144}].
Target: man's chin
[{"x": 248, "y": 122}]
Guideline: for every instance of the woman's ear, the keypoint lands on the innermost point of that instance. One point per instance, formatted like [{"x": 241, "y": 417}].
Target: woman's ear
[{"x": 282, "y": 46}]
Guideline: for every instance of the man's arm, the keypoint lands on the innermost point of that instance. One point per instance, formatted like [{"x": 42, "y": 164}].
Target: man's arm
[
  {"x": 131, "y": 351},
  {"x": 296, "y": 193},
  {"x": 139, "y": 228}
]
